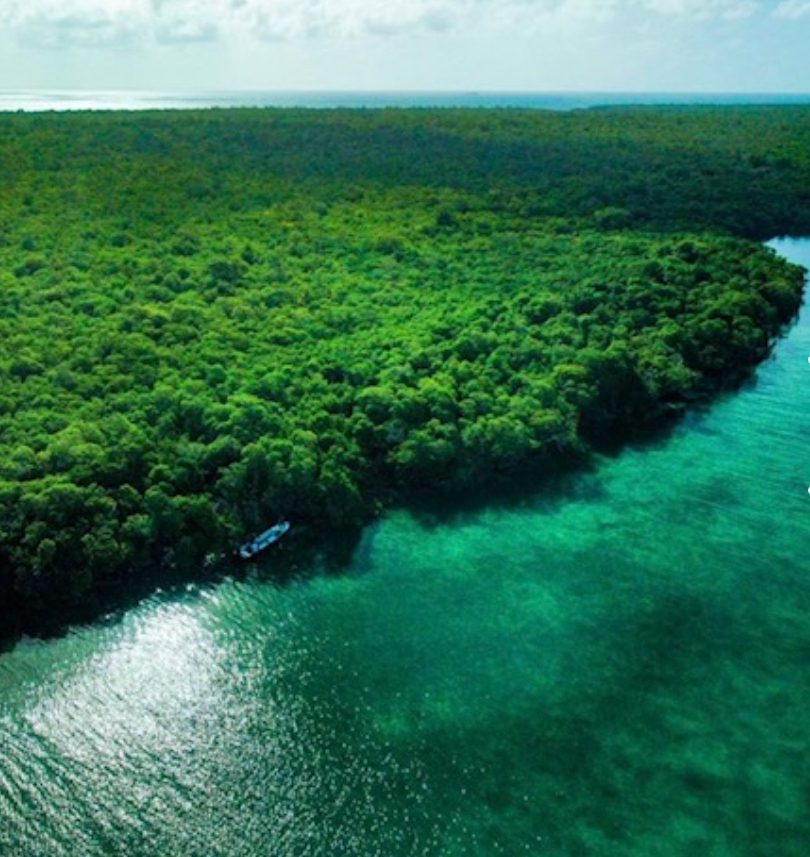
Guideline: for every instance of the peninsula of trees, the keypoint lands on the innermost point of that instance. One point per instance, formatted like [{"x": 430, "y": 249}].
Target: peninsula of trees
[{"x": 209, "y": 319}]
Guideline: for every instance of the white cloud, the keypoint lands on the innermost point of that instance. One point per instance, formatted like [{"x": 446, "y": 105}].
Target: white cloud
[
  {"x": 703, "y": 9},
  {"x": 293, "y": 19},
  {"x": 187, "y": 20},
  {"x": 55, "y": 23},
  {"x": 792, "y": 10},
  {"x": 52, "y": 23}
]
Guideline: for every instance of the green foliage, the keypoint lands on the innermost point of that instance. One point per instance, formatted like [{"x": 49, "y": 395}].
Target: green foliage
[{"x": 210, "y": 319}]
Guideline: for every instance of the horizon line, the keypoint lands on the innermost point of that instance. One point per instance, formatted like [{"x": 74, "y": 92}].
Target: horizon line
[{"x": 415, "y": 91}]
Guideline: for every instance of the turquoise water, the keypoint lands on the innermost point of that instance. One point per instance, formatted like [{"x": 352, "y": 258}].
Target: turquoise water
[
  {"x": 131, "y": 100},
  {"x": 616, "y": 666}
]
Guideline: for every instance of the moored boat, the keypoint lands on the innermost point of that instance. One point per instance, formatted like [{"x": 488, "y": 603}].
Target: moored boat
[{"x": 264, "y": 540}]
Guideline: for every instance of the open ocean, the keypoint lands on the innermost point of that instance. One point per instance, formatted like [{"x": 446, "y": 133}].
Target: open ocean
[{"x": 35, "y": 100}]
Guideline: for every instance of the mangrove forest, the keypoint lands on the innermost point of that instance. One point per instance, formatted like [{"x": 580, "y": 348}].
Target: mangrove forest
[{"x": 212, "y": 319}]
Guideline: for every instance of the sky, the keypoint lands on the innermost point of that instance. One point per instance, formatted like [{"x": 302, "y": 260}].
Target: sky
[{"x": 513, "y": 45}]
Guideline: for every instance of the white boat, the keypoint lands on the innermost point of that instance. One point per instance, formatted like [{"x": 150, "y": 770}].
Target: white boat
[{"x": 264, "y": 540}]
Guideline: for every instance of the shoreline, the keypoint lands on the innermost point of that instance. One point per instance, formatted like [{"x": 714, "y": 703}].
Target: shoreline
[
  {"x": 51, "y": 100},
  {"x": 446, "y": 501},
  {"x": 281, "y": 328}
]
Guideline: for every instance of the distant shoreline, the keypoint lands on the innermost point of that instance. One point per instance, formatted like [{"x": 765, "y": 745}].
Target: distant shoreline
[{"x": 55, "y": 100}]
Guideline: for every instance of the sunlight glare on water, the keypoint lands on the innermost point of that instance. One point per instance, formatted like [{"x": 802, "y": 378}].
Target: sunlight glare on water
[{"x": 617, "y": 665}]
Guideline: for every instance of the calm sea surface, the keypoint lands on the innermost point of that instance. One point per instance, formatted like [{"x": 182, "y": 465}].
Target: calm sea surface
[
  {"x": 113, "y": 100},
  {"x": 617, "y": 667}
]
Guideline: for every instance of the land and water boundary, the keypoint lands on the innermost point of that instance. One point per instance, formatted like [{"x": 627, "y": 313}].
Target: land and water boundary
[
  {"x": 42, "y": 100},
  {"x": 212, "y": 318},
  {"x": 625, "y": 648}
]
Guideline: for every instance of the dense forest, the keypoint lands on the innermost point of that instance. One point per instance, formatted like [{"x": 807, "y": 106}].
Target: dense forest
[{"x": 210, "y": 319}]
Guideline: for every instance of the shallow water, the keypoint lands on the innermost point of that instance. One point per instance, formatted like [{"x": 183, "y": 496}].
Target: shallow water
[{"x": 618, "y": 667}]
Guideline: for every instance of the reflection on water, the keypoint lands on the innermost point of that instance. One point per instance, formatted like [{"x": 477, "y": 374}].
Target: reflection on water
[
  {"x": 620, "y": 669},
  {"x": 133, "y": 100}
]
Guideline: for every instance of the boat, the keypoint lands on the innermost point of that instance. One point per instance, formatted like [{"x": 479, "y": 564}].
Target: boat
[{"x": 264, "y": 540}]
